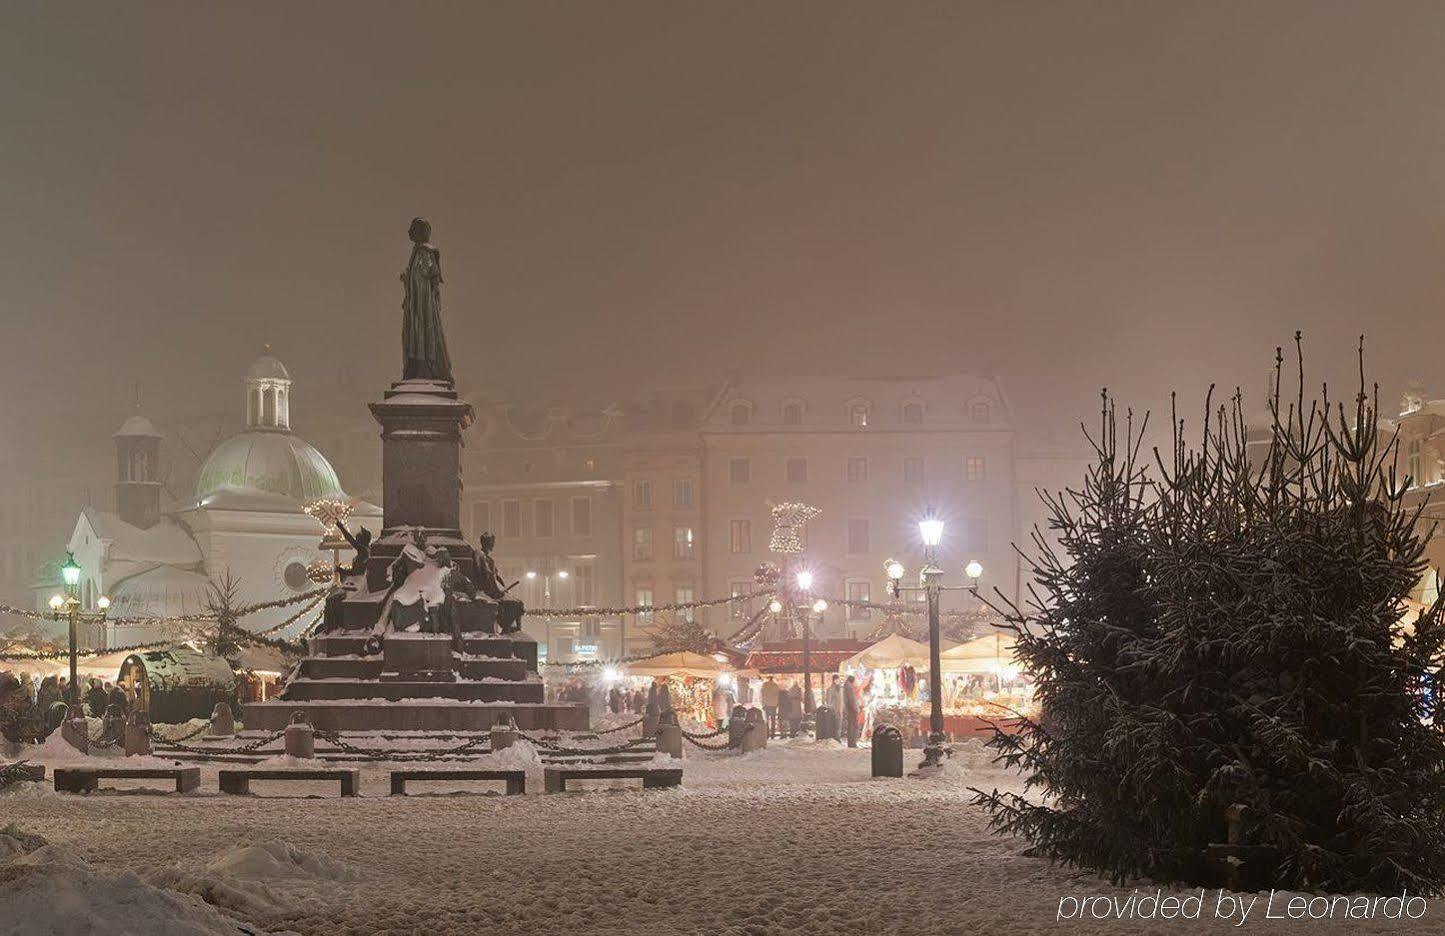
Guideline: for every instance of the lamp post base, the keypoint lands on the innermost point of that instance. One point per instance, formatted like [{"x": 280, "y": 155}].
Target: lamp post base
[{"x": 935, "y": 751}]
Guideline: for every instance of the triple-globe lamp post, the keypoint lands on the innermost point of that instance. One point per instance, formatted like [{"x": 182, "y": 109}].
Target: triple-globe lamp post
[{"x": 66, "y": 606}]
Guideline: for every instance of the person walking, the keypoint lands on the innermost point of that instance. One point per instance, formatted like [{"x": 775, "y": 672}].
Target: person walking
[
  {"x": 849, "y": 712},
  {"x": 771, "y": 692}
]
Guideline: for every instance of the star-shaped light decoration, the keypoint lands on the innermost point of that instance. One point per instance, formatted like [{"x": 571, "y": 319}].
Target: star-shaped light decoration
[{"x": 788, "y": 519}]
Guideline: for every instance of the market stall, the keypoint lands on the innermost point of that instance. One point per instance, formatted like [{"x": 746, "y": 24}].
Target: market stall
[
  {"x": 177, "y": 684},
  {"x": 892, "y": 681},
  {"x": 690, "y": 678},
  {"x": 982, "y": 683}
]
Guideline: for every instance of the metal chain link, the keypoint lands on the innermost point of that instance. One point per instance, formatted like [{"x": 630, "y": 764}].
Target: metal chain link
[
  {"x": 631, "y": 724},
  {"x": 244, "y": 749}
]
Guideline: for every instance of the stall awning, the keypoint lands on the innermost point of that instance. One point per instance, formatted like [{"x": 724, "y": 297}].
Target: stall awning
[
  {"x": 682, "y": 663},
  {"x": 786, "y": 656},
  {"x": 891, "y": 652},
  {"x": 981, "y": 655}
]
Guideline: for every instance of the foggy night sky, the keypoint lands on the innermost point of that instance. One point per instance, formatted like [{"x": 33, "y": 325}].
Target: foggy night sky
[{"x": 1141, "y": 195}]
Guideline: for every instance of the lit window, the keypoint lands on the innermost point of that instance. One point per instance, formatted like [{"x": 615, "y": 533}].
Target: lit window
[
  {"x": 740, "y": 610},
  {"x": 857, "y": 469},
  {"x": 643, "y": 599},
  {"x": 913, "y": 413},
  {"x": 740, "y": 537},
  {"x": 857, "y": 537},
  {"x": 642, "y": 495},
  {"x": 642, "y": 543},
  {"x": 1412, "y": 462},
  {"x": 682, "y": 542},
  {"x": 859, "y": 592},
  {"x": 913, "y": 470},
  {"x": 973, "y": 468},
  {"x": 797, "y": 470},
  {"x": 685, "y": 595},
  {"x": 682, "y": 492},
  {"x": 582, "y": 516},
  {"x": 542, "y": 518},
  {"x": 740, "y": 470},
  {"x": 858, "y": 415}
]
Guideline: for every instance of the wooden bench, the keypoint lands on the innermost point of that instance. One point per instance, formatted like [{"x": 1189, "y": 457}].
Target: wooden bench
[
  {"x": 34, "y": 773},
  {"x": 87, "y": 779},
  {"x": 554, "y": 779},
  {"x": 237, "y": 780},
  {"x": 516, "y": 779}
]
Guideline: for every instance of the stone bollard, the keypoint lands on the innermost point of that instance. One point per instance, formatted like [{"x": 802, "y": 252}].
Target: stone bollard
[
  {"x": 75, "y": 731},
  {"x": 756, "y": 717},
  {"x": 737, "y": 726},
  {"x": 114, "y": 723},
  {"x": 300, "y": 737},
  {"x": 223, "y": 722},
  {"x": 504, "y": 733},
  {"x": 669, "y": 739},
  {"x": 137, "y": 735}
]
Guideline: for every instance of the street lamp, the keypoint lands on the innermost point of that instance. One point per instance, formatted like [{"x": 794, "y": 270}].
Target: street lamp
[
  {"x": 805, "y": 584},
  {"x": 973, "y": 570},
  {"x": 547, "y": 599},
  {"x": 930, "y": 530},
  {"x": 66, "y": 607}
]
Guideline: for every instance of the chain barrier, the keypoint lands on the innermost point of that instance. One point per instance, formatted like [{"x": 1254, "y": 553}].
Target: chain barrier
[
  {"x": 631, "y": 724},
  {"x": 554, "y": 748},
  {"x": 185, "y": 737},
  {"x": 645, "y": 609},
  {"x": 243, "y": 749},
  {"x": 703, "y": 734},
  {"x": 706, "y": 747}
]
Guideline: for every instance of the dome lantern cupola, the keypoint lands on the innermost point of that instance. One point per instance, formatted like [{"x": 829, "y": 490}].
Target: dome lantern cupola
[{"x": 268, "y": 394}]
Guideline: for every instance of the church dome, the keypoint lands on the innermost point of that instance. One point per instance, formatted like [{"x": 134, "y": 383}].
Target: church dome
[
  {"x": 137, "y": 426},
  {"x": 271, "y": 463},
  {"x": 267, "y": 367}
]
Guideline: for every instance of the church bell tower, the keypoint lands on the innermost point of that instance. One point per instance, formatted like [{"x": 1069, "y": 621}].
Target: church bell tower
[{"x": 137, "y": 484}]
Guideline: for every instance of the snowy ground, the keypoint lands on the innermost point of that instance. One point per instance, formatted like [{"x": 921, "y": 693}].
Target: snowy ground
[{"x": 794, "y": 839}]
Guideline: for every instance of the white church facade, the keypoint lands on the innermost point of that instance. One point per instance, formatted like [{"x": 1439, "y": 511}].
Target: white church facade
[{"x": 244, "y": 518}]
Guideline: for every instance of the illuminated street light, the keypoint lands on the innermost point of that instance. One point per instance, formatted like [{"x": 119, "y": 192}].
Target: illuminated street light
[
  {"x": 775, "y": 606},
  {"x": 973, "y": 570},
  {"x": 67, "y": 607},
  {"x": 70, "y": 571},
  {"x": 55, "y": 602},
  {"x": 805, "y": 580},
  {"x": 894, "y": 568},
  {"x": 562, "y": 575},
  {"x": 820, "y": 606},
  {"x": 531, "y": 575}
]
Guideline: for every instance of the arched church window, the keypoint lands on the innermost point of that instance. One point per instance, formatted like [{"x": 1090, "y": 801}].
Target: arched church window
[{"x": 268, "y": 406}]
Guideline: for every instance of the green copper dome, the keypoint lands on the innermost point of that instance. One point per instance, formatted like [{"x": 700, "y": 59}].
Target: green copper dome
[{"x": 269, "y": 462}]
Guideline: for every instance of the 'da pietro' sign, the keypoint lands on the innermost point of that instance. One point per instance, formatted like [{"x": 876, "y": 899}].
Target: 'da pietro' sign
[{"x": 1239, "y": 908}]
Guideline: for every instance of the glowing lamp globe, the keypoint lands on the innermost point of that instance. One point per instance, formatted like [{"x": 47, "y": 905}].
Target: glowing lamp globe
[
  {"x": 894, "y": 568},
  {"x": 562, "y": 574},
  {"x": 531, "y": 575},
  {"x": 974, "y": 569},
  {"x": 70, "y": 571},
  {"x": 930, "y": 530},
  {"x": 103, "y": 602},
  {"x": 820, "y": 606},
  {"x": 805, "y": 580},
  {"x": 55, "y": 602},
  {"x": 775, "y": 606}
]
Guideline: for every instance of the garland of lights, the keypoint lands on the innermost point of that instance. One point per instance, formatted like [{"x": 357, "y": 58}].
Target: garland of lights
[
  {"x": 288, "y": 622},
  {"x": 788, "y": 518},
  {"x": 642, "y": 609}
]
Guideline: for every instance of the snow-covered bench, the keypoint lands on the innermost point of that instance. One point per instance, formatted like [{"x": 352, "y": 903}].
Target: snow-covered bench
[
  {"x": 516, "y": 779},
  {"x": 34, "y": 773},
  {"x": 237, "y": 780},
  {"x": 87, "y": 779},
  {"x": 554, "y": 779}
]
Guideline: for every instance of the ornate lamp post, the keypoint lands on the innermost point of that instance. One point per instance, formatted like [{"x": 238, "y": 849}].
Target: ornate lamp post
[
  {"x": 547, "y": 600},
  {"x": 930, "y": 530},
  {"x": 66, "y": 607}
]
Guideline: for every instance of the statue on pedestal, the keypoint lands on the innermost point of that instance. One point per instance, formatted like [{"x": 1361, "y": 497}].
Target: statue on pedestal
[{"x": 424, "y": 346}]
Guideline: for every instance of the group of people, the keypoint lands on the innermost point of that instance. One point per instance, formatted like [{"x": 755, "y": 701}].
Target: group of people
[
  {"x": 784, "y": 708},
  {"x": 26, "y": 701},
  {"x": 621, "y": 700}
]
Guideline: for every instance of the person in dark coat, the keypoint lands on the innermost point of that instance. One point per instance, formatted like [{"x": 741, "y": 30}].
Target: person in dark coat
[
  {"x": 850, "y": 711},
  {"x": 120, "y": 700},
  {"x": 96, "y": 698}
]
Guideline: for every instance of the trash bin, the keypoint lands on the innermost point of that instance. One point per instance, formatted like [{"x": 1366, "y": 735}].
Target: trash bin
[
  {"x": 825, "y": 724},
  {"x": 887, "y": 752}
]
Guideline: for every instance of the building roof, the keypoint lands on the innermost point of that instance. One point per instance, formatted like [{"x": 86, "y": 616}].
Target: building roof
[
  {"x": 268, "y": 462},
  {"x": 168, "y": 542},
  {"x": 137, "y": 426},
  {"x": 160, "y": 591}
]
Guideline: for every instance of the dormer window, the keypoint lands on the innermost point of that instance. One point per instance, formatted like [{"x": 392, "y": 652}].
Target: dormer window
[
  {"x": 858, "y": 415},
  {"x": 742, "y": 414},
  {"x": 912, "y": 413},
  {"x": 979, "y": 411}
]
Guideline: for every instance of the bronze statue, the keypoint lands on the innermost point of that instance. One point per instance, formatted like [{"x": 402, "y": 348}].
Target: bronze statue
[
  {"x": 424, "y": 346},
  {"x": 509, "y": 610},
  {"x": 361, "y": 542}
]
